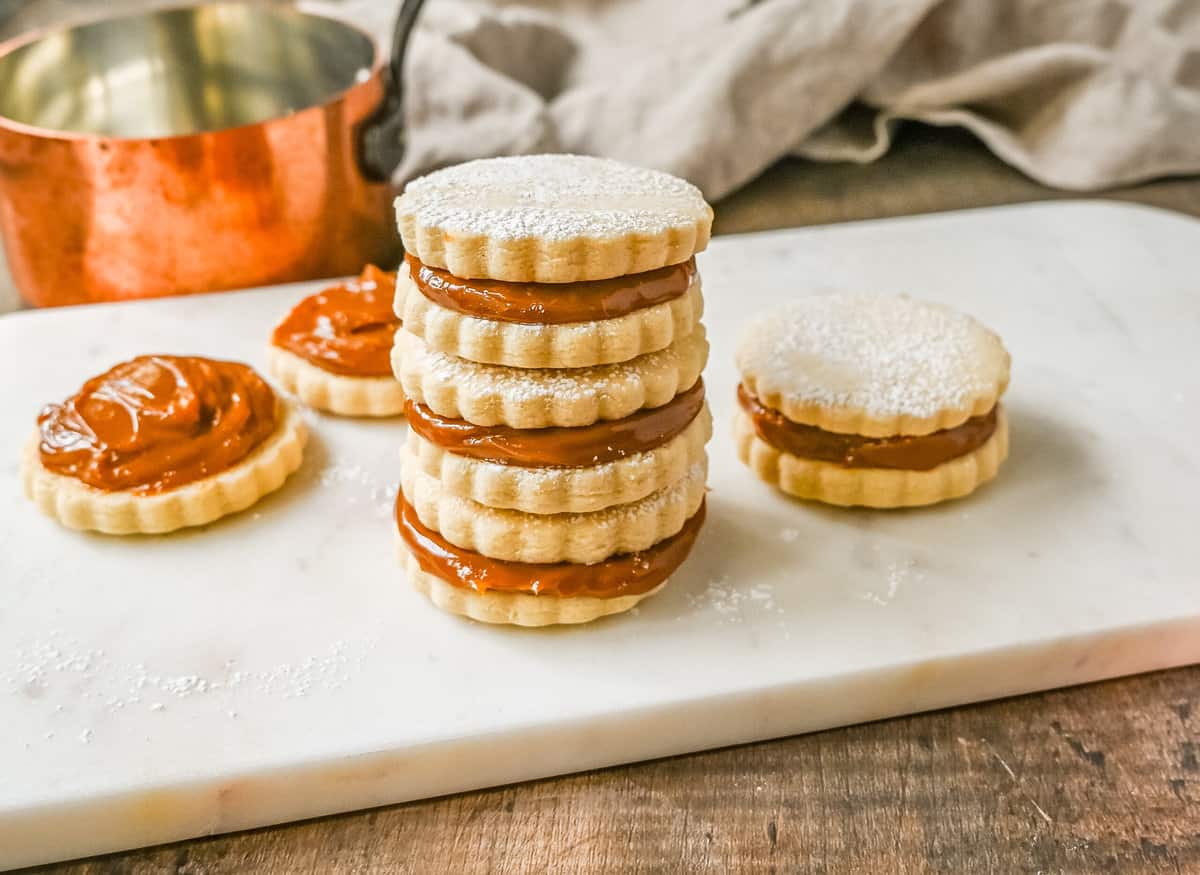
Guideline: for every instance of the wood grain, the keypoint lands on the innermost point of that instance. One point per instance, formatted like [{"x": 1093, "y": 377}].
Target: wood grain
[{"x": 1103, "y": 778}]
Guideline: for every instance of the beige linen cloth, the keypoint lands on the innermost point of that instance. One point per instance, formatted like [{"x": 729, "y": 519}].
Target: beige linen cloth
[{"x": 1078, "y": 94}]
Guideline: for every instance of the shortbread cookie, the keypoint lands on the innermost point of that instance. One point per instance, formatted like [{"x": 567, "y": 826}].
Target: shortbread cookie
[
  {"x": 159, "y": 443},
  {"x": 548, "y": 490},
  {"x": 333, "y": 349},
  {"x": 345, "y": 396},
  {"x": 526, "y": 594},
  {"x": 873, "y": 365},
  {"x": 534, "y": 345},
  {"x": 541, "y": 398},
  {"x": 551, "y": 219},
  {"x": 583, "y": 538},
  {"x": 832, "y": 483},
  {"x": 824, "y": 379}
]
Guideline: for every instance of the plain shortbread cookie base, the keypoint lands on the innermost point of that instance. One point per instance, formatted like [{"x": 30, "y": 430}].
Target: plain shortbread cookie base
[
  {"x": 543, "y": 397},
  {"x": 551, "y": 219},
  {"x": 514, "y": 609},
  {"x": 559, "y": 490},
  {"x": 77, "y": 505},
  {"x": 335, "y": 393},
  {"x": 581, "y": 538},
  {"x": 566, "y": 345},
  {"x": 870, "y": 487}
]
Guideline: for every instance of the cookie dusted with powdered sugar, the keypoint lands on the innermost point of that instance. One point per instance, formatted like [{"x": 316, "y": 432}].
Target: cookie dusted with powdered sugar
[
  {"x": 551, "y": 219},
  {"x": 871, "y": 400},
  {"x": 545, "y": 397},
  {"x": 581, "y": 538}
]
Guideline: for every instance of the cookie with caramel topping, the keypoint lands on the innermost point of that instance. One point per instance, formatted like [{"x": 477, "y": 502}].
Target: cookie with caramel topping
[
  {"x": 552, "y": 489},
  {"x": 333, "y": 349},
  {"x": 161, "y": 442},
  {"x": 608, "y": 335}
]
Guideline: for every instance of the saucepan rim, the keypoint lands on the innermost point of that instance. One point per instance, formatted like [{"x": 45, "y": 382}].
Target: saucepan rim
[{"x": 379, "y": 60}]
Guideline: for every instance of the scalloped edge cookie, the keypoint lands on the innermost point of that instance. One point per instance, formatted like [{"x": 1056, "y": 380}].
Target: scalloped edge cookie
[
  {"x": 513, "y": 608},
  {"x": 564, "y": 490},
  {"x": 870, "y": 487},
  {"x": 772, "y": 366},
  {"x": 568, "y": 345},
  {"x": 77, "y": 505},
  {"x": 540, "y": 398},
  {"x": 551, "y": 219},
  {"x": 335, "y": 393},
  {"x": 579, "y": 538}
]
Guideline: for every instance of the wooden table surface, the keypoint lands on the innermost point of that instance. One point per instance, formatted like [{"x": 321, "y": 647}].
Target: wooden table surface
[{"x": 1102, "y": 778}]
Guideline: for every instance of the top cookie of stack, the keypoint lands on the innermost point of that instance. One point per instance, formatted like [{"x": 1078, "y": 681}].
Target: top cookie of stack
[
  {"x": 551, "y": 219},
  {"x": 551, "y": 352}
]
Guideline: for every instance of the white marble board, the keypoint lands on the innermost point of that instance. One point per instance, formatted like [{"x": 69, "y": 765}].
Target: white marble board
[{"x": 275, "y": 666}]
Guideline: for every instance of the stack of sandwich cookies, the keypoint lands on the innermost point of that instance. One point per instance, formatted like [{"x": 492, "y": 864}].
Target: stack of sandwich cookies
[
  {"x": 871, "y": 400},
  {"x": 551, "y": 355}
]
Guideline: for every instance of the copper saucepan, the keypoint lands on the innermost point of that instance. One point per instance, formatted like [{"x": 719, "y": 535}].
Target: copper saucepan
[{"x": 195, "y": 149}]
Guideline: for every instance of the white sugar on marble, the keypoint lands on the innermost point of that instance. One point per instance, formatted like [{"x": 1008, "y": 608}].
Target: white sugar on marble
[
  {"x": 58, "y": 663},
  {"x": 730, "y": 601}
]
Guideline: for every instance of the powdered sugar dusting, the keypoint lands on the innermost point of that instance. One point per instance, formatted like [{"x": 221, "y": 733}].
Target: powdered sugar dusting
[
  {"x": 896, "y": 575},
  {"x": 552, "y": 197},
  {"x": 887, "y": 356},
  {"x": 730, "y": 602},
  {"x": 380, "y": 494},
  {"x": 57, "y": 664}
]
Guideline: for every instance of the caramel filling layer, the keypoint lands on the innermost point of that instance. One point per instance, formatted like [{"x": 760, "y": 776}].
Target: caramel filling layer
[
  {"x": 156, "y": 423},
  {"x": 346, "y": 329},
  {"x": 552, "y": 303},
  {"x": 905, "y": 452},
  {"x": 579, "y": 447},
  {"x": 627, "y": 574}
]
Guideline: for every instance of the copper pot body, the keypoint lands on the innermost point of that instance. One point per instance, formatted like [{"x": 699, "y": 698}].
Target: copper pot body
[{"x": 189, "y": 150}]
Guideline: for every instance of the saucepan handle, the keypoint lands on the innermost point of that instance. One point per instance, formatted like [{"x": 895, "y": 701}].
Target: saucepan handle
[{"x": 382, "y": 140}]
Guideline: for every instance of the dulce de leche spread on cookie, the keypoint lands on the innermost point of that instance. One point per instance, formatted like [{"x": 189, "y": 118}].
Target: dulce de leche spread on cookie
[
  {"x": 156, "y": 423},
  {"x": 578, "y": 447},
  {"x": 906, "y": 452},
  {"x": 552, "y": 303},
  {"x": 626, "y": 574},
  {"x": 345, "y": 329}
]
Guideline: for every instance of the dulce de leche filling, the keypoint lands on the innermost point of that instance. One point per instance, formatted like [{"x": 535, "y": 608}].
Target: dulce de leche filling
[
  {"x": 578, "y": 447},
  {"x": 156, "y": 423},
  {"x": 623, "y": 575},
  {"x": 552, "y": 303},
  {"x": 905, "y": 452},
  {"x": 345, "y": 329}
]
